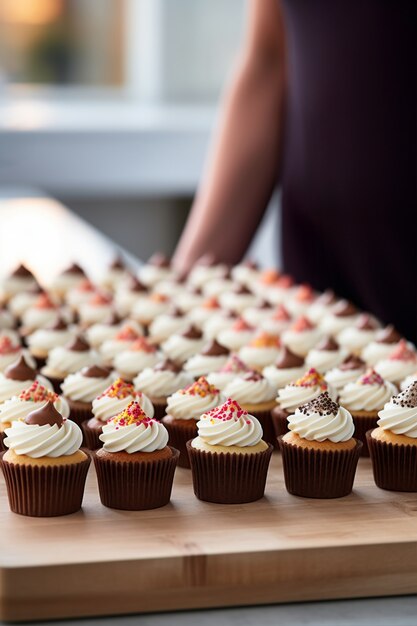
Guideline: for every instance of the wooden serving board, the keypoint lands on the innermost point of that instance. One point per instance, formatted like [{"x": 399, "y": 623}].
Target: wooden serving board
[{"x": 192, "y": 554}]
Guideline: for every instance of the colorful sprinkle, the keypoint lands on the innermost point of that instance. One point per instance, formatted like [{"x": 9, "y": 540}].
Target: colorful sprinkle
[
  {"x": 133, "y": 414},
  {"x": 403, "y": 353},
  {"x": 200, "y": 388},
  {"x": 371, "y": 377},
  {"x": 7, "y": 346},
  {"x": 120, "y": 389},
  {"x": 302, "y": 324},
  {"x": 311, "y": 379},
  {"x": 37, "y": 393},
  {"x": 230, "y": 410},
  {"x": 265, "y": 340},
  {"x": 127, "y": 333}
]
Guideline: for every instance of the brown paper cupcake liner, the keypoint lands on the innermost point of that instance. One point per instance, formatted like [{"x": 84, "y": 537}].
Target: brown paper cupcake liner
[
  {"x": 39, "y": 360},
  {"x": 178, "y": 437},
  {"x": 160, "y": 410},
  {"x": 91, "y": 436},
  {"x": 279, "y": 421},
  {"x": 45, "y": 491},
  {"x": 78, "y": 414},
  {"x": 362, "y": 425},
  {"x": 312, "y": 473},
  {"x": 229, "y": 478},
  {"x": 2, "y": 438},
  {"x": 56, "y": 383},
  {"x": 265, "y": 420},
  {"x": 136, "y": 486},
  {"x": 394, "y": 465}
]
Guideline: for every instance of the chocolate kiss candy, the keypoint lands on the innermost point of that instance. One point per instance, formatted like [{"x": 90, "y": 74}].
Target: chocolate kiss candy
[
  {"x": 47, "y": 414},
  {"x": 79, "y": 344},
  {"x": 192, "y": 333},
  {"x": 214, "y": 348},
  {"x": 167, "y": 365},
  {"x": 20, "y": 370},
  {"x": 95, "y": 371}
]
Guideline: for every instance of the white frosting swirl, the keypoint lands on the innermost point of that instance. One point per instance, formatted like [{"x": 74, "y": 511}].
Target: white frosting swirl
[
  {"x": 244, "y": 431},
  {"x": 151, "y": 275},
  {"x": 313, "y": 426},
  {"x": 221, "y": 379},
  {"x": 300, "y": 342},
  {"x": 235, "y": 339},
  {"x": 281, "y": 377},
  {"x": 40, "y": 441},
  {"x": 237, "y": 301},
  {"x": 45, "y": 339},
  {"x": 258, "y": 357},
  {"x": 148, "y": 309},
  {"x": 359, "y": 397},
  {"x": 144, "y": 437},
  {"x": 216, "y": 324},
  {"x": 375, "y": 352},
  {"x": 12, "y": 285},
  {"x": 15, "y": 408},
  {"x": 324, "y": 360},
  {"x": 63, "y": 361},
  {"x": 338, "y": 378},
  {"x": 38, "y": 317},
  {"x": 408, "y": 381},
  {"x": 333, "y": 324},
  {"x": 183, "y": 406},
  {"x": 84, "y": 388},
  {"x": 106, "y": 407},
  {"x": 161, "y": 383},
  {"x": 94, "y": 313},
  {"x": 395, "y": 370},
  {"x": 292, "y": 396},
  {"x": 202, "y": 364},
  {"x": 250, "y": 391},
  {"x": 166, "y": 325},
  {"x": 133, "y": 361},
  {"x": 10, "y": 387},
  {"x": 400, "y": 420},
  {"x": 355, "y": 339},
  {"x": 7, "y": 321},
  {"x": 179, "y": 348}
]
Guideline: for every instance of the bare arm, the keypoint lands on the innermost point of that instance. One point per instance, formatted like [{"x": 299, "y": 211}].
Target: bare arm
[{"x": 245, "y": 157}]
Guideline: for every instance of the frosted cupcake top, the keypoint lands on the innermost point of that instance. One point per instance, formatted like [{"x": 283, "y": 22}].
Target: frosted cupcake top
[
  {"x": 250, "y": 388},
  {"x": 17, "y": 377},
  {"x": 229, "y": 425},
  {"x": 86, "y": 384},
  {"x": 32, "y": 398},
  {"x": 287, "y": 367},
  {"x": 191, "y": 402},
  {"x": 303, "y": 390},
  {"x": 399, "y": 415},
  {"x": 232, "y": 368},
  {"x": 369, "y": 393},
  {"x": 211, "y": 358},
  {"x": 401, "y": 362},
  {"x": 70, "y": 358},
  {"x": 322, "y": 419},
  {"x": 347, "y": 372},
  {"x": 44, "y": 433},
  {"x": 116, "y": 398},
  {"x": 162, "y": 380},
  {"x": 132, "y": 430}
]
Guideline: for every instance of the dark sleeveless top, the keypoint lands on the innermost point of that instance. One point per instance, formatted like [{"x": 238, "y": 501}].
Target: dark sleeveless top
[{"x": 349, "y": 173}]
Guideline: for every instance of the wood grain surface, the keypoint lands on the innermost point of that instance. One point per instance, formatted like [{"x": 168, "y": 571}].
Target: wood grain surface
[{"x": 192, "y": 554}]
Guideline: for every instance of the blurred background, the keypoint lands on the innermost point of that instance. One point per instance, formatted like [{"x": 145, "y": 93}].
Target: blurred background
[{"x": 109, "y": 105}]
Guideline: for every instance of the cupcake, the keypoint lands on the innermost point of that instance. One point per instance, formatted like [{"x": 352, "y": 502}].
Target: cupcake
[
  {"x": 218, "y": 322},
  {"x": 239, "y": 299},
  {"x": 98, "y": 333},
  {"x": 80, "y": 294},
  {"x": 237, "y": 336},
  {"x": 217, "y": 286},
  {"x": 189, "y": 298},
  {"x": 301, "y": 300},
  {"x": 22, "y": 301},
  {"x": 325, "y": 355},
  {"x": 229, "y": 459},
  {"x": 116, "y": 273},
  {"x": 262, "y": 350},
  {"x": 157, "y": 269},
  {"x": 256, "y": 315},
  {"x": 342, "y": 315},
  {"x": 109, "y": 403},
  {"x": 319, "y": 453},
  {"x": 68, "y": 279},
  {"x": 121, "y": 341},
  {"x": 363, "y": 399},
  {"x": 10, "y": 350},
  {"x": 43, "y": 312},
  {"x": 96, "y": 309},
  {"x": 322, "y": 306},
  {"x": 348, "y": 371},
  {"x": 19, "y": 406},
  {"x": 68, "y": 359},
  {"x": 393, "y": 444},
  {"x": 44, "y": 469},
  {"x": 230, "y": 370},
  {"x": 17, "y": 377},
  {"x": 246, "y": 273},
  {"x": 277, "y": 288},
  {"x": 355, "y": 338},
  {"x": 81, "y": 388},
  {"x": 401, "y": 362},
  {"x": 257, "y": 396},
  {"x": 206, "y": 269},
  {"x": 182, "y": 346},
  {"x": 21, "y": 279},
  {"x": 408, "y": 380},
  {"x": 201, "y": 314},
  {"x": 184, "y": 408},
  {"x": 173, "y": 322},
  {"x": 161, "y": 381},
  {"x": 384, "y": 343},
  {"x": 287, "y": 367},
  {"x": 279, "y": 321},
  {"x": 301, "y": 336},
  {"x": 131, "y": 292},
  {"x": 139, "y": 355},
  {"x": 147, "y": 309},
  {"x": 135, "y": 467},
  {"x": 212, "y": 358},
  {"x": 294, "y": 394},
  {"x": 43, "y": 340}
]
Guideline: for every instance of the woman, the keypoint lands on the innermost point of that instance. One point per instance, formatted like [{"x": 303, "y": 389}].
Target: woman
[{"x": 323, "y": 102}]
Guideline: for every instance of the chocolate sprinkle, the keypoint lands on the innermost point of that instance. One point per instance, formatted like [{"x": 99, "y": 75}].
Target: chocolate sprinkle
[
  {"x": 323, "y": 405},
  {"x": 408, "y": 397}
]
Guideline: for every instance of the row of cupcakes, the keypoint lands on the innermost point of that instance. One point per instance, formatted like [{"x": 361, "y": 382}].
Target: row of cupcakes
[{"x": 45, "y": 470}]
